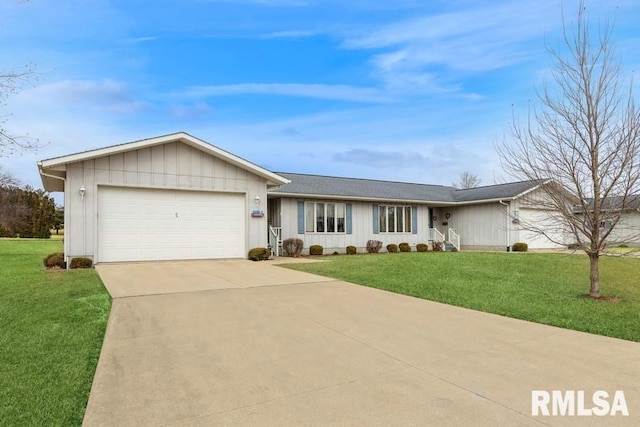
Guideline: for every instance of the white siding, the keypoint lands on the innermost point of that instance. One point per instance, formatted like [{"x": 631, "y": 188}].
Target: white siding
[
  {"x": 481, "y": 226},
  {"x": 627, "y": 231},
  {"x": 362, "y": 228},
  {"x": 170, "y": 166}
]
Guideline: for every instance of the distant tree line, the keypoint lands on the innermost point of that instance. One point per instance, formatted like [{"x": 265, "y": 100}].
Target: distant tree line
[{"x": 26, "y": 212}]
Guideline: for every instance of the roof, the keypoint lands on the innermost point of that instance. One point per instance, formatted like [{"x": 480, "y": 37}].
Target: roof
[
  {"x": 53, "y": 171},
  {"x": 318, "y": 186},
  {"x": 616, "y": 203},
  {"x": 510, "y": 190}
]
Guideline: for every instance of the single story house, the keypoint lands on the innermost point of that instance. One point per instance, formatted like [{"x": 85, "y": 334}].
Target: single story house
[
  {"x": 627, "y": 213},
  {"x": 338, "y": 212},
  {"x": 177, "y": 197}
]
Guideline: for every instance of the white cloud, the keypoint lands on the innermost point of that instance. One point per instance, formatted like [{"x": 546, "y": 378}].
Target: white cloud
[
  {"x": 191, "y": 111},
  {"x": 289, "y": 34},
  {"x": 382, "y": 159},
  {"x": 318, "y": 91},
  {"x": 104, "y": 95},
  {"x": 430, "y": 53}
]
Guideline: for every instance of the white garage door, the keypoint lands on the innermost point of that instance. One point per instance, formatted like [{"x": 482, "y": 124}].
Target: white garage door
[
  {"x": 145, "y": 225},
  {"x": 548, "y": 222}
]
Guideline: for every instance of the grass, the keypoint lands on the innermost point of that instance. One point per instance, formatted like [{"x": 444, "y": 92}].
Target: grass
[
  {"x": 543, "y": 288},
  {"x": 53, "y": 325}
]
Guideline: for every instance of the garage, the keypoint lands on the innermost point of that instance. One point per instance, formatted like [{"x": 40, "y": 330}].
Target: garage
[
  {"x": 136, "y": 224},
  {"x": 545, "y": 219}
]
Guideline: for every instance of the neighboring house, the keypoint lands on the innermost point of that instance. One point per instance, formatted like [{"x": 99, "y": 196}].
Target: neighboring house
[
  {"x": 177, "y": 197},
  {"x": 627, "y": 230},
  {"x": 337, "y": 212}
]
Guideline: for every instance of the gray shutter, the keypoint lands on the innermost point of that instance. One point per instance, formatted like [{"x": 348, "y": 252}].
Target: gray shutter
[
  {"x": 414, "y": 219},
  {"x": 348, "y": 219},
  {"x": 376, "y": 220},
  {"x": 300, "y": 217}
]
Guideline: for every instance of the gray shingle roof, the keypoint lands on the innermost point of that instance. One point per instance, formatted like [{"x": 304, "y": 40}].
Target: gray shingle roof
[
  {"x": 498, "y": 191},
  {"x": 317, "y": 185},
  {"x": 616, "y": 203}
]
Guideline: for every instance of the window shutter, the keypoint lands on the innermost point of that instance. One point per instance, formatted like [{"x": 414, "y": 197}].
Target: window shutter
[
  {"x": 300, "y": 217},
  {"x": 414, "y": 219},
  {"x": 348, "y": 219},
  {"x": 376, "y": 220}
]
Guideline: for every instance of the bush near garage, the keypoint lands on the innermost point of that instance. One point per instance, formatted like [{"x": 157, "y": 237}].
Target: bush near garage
[
  {"x": 520, "y": 247},
  {"x": 55, "y": 260},
  {"x": 259, "y": 254},
  {"x": 81, "y": 262}
]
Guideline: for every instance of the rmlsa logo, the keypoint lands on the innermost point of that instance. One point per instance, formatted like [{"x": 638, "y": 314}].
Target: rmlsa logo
[{"x": 573, "y": 403}]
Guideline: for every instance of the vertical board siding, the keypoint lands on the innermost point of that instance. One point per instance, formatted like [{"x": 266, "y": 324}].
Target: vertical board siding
[{"x": 170, "y": 166}]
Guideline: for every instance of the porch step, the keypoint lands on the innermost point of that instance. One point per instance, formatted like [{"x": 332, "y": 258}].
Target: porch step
[{"x": 448, "y": 246}]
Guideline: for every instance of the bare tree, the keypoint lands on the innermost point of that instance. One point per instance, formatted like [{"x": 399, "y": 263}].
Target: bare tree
[
  {"x": 10, "y": 82},
  {"x": 585, "y": 138},
  {"x": 7, "y": 179},
  {"x": 467, "y": 180}
]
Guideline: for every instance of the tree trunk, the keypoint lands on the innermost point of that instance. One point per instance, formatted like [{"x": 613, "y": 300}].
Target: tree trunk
[{"x": 594, "y": 275}]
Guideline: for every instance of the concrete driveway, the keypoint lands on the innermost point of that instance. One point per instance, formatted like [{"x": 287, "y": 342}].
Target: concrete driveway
[{"x": 207, "y": 343}]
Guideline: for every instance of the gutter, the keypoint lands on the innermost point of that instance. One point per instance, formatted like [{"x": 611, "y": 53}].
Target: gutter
[
  {"x": 64, "y": 180},
  {"x": 507, "y": 205},
  {"x": 48, "y": 175}
]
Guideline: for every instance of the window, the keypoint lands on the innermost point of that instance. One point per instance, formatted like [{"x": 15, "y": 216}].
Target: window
[
  {"x": 323, "y": 217},
  {"x": 606, "y": 224},
  {"x": 395, "y": 219}
]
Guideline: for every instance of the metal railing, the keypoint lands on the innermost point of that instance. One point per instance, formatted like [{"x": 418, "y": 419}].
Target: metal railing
[
  {"x": 275, "y": 240},
  {"x": 454, "y": 238}
]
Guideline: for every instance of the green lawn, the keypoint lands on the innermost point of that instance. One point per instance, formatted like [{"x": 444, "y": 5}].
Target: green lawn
[
  {"x": 544, "y": 288},
  {"x": 53, "y": 324}
]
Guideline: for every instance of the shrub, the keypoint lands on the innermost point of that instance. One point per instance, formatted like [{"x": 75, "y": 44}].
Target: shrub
[
  {"x": 315, "y": 250},
  {"x": 335, "y": 253},
  {"x": 438, "y": 247},
  {"x": 373, "y": 246},
  {"x": 422, "y": 247},
  {"x": 352, "y": 250},
  {"x": 293, "y": 246},
  {"x": 392, "y": 248},
  {"x": 81, "y": 262},
  {"x": 54, "y": 260},
  {"x": 259, "y": 254},
  {"x": 520, "y": 247},
  {"x": 404, "y": 247}
]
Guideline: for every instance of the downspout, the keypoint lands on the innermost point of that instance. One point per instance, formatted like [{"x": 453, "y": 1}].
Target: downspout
[
  {"x": 64, "y": 180},
  {"x": 506, "y": 215}
]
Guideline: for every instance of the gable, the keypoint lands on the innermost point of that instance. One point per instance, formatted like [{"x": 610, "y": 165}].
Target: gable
[{"x": 150, "y": 157}]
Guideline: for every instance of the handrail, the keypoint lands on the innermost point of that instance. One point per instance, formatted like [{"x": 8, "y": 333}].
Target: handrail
[
  {"x": 454, "y": 238},
  {"x": 275, "y": 233},
  {"x": 436, "y": 235}
]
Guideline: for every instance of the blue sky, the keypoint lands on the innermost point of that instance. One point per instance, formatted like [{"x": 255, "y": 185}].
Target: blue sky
[{"x": 407, "y": 90}]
